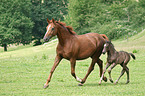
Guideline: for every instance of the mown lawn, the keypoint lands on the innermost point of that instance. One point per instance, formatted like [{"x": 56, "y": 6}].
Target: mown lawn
[{"x": 23, "y": 72}]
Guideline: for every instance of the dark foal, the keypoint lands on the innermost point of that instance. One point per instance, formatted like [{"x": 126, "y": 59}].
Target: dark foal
[{"x": 113, "y": 58}]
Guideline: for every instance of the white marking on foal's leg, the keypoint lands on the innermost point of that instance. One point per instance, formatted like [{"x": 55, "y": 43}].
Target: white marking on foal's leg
[{"x": 78, "y": 79}]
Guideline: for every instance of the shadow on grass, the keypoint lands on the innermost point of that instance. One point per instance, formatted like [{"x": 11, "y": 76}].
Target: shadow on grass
[{"x": 109, "y": 84}]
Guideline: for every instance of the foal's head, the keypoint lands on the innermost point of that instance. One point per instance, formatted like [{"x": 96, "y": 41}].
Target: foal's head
[
  {"x": 107, "y": 46},
  {"x": 51, "y": 30}
]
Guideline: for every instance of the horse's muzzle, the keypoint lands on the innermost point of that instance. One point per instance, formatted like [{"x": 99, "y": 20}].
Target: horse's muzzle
[
  {"x": 103, "y": 52},
  {"x": 46, "y": 39}
]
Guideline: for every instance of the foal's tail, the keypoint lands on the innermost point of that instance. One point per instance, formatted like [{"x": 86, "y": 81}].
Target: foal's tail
[
  {"x": 133, "y": 56},
  {"x": 105, "y": 37}
]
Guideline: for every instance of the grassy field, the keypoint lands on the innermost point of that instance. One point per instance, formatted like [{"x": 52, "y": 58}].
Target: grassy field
[{"x": 23, "y": 72}]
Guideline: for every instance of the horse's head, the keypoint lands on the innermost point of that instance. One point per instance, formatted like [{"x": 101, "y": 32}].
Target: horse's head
[
  {"x": 51, "y": 30},
  {"x": 106, "y": 47}
]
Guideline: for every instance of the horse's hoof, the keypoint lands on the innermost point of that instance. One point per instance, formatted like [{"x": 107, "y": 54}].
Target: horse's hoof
[
  {"x": 80, "y": 84},
  {"x": 111, "y": 80},
  {"x": 115, "y": 83},
  {"x": 105, "y": 79},
  {"x": 127, "y": 82},
  {"x": 99, "y": 83},
  {"x": 45, "y": 86}
]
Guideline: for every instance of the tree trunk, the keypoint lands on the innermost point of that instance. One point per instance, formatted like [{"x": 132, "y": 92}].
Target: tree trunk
[{"x": 5, "y": 47}]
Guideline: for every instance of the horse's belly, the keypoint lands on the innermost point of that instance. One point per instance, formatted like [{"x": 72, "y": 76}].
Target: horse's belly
[{"x": 85, "y": 54}]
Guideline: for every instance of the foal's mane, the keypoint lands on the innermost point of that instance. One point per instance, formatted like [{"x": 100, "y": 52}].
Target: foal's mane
[{"x": 69, "y": 28}]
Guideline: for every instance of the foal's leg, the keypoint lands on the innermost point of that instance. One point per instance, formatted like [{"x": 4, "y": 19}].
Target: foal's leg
[
  {"x": 122, "y": 72},
  {"x": 91, "y": 68},
  {"x": 109, "y": 71},
  {"x": 104, "y": 73},
  {"x": 56, "y": 62},
  {"x": 125, "y": 68},
  {"x": 127, "y": 71}
]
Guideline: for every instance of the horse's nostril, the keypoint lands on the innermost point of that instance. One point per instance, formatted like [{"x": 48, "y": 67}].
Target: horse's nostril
[
  {"x": 45, "y": 39},
  {"x": 103, "y": 52}
]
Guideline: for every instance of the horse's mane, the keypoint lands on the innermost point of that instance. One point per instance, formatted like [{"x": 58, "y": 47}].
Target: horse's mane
[{"x": 69, "y": 28}]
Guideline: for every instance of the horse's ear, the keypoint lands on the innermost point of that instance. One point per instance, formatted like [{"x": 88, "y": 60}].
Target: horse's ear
[
  {"x": 59, "y": 20},
  {"x": 48, "y": 21},
  {"x": 53, "y": 21}
]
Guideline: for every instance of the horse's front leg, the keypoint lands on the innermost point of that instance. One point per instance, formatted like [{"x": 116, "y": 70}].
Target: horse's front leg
[
  {"x": 56, "y": 62},
  {"x": 104, "y": 73},
  {"x": 109, "y": 71},
  {"x": 73, "y": 63}
]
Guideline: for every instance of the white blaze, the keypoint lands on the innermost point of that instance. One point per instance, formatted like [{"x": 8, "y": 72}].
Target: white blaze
[
  {"x": 48, "y": 28},
  {"x": 105, "y": 45}
]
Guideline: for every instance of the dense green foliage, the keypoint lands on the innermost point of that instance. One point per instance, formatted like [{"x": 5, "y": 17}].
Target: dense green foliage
[
  {"x": 15, "y": 23},
  {"x": 43, "y": 9},
  {"x": 115, "y": 18},
  {"x": 23, "y": 72},
  {"x": 22, "y": 21}
]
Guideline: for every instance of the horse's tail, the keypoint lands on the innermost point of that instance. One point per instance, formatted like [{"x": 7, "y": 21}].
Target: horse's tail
[
  {"x": 133, "y": 56},
  {"x": 104, "y": 37}
]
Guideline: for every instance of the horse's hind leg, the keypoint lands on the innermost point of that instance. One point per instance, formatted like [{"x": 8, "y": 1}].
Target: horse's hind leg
[
  {"x": 122, "y": 72},
  {"x": 91, "y": 68},
  {"x": 127, "y": 71},
  {"x": 109, "y": 71}
]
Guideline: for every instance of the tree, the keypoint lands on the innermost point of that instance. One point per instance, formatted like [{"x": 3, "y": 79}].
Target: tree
[
  {"x": 15, "y": 24},
  {"x": 43, "y": 9},
  {"x": 115, "y": 18}
]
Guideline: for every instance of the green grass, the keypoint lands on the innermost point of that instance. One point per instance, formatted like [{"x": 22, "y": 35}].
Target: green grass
[{"x": 23, "y": 72}]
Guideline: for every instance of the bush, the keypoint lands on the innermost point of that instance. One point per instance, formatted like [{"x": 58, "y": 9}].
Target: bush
[
  {"x": 115, "y": 18},
  {"x": 134, "y": 51}
]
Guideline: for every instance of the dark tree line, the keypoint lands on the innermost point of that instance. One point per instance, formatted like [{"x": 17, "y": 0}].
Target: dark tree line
[
  {"x": 22, "y": 21},
  {"x": 115, "y": 18}
]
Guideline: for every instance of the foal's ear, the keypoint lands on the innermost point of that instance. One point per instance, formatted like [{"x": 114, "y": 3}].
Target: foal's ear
[
  {"x": 48, "y": 21},
  {"x": 107, "y": 41}
]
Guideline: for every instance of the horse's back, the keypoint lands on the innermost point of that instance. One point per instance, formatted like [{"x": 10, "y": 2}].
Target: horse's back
[
  {"x": 91, "y": 37},
  {"x": 82, "y": 46},
  {"x": 124, "y": 56},
  {"x": 90, "y": 43}
]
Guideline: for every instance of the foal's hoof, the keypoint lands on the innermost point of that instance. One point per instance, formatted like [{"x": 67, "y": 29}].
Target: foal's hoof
[
  {"x": 115, "y": 83},
  {"x": 80, "y": 84},
  {"x": 127, "y": 82},
  {"x": 45, "y": 86},
  {"x": 105, "y": 79}
]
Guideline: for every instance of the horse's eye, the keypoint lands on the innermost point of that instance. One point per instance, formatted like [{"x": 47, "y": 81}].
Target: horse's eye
[{"x": 52, "y": 29}]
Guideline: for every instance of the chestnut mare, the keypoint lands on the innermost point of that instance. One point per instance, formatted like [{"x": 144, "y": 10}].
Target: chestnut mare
[{"x": 75, "y": 47}]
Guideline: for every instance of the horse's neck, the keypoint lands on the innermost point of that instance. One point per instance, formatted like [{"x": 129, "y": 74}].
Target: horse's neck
[
  {"x": 63, "y": 36},
  {"x": 111, "y": 52}
]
